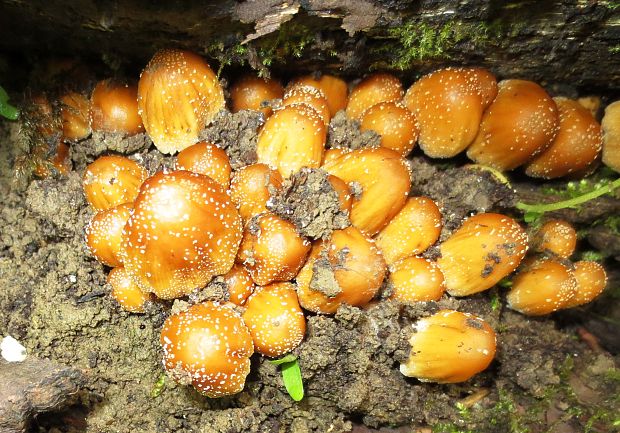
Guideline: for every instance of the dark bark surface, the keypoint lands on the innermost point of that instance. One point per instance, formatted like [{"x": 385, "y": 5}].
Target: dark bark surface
[
  {"x": 32, "y": 387},
  {"x": 564, "y": 42}
]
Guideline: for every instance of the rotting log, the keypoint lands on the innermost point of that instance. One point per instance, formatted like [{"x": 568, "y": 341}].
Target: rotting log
[
  {"x": 568, "y": 42},
  {"x": 32, "y": 387}
]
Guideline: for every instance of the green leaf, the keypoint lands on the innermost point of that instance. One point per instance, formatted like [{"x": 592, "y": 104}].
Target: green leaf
[
  {"x": 287, "y": 358},
  {"x": 532, "y": 217},
  {"x": 8, "y": 111},
  {"x": 159, "y": 386},
  {"x": 291, "y": 375}
]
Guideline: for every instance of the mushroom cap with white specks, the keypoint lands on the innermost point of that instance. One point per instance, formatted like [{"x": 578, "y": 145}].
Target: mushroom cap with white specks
[
  {"x": 385, "y": 180},
  {"x": 521, "y": 122},
  {"x": 178, "y": 95},
  {"x": 209, "y": 346},
  {"x": 112, "y": 180},
  {"x": 275, "y": 319},
  {"x": 544, "y": 286},
  {"x": 449, "y": 347},
  {"x": 485, "y": 249},
  {"x": 183, "y": 231}
]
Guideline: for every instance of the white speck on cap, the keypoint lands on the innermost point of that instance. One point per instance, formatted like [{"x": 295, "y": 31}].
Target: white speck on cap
[{"x": 12, "y": 350}]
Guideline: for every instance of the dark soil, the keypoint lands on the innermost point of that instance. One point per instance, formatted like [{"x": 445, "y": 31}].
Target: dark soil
[{"x": 55, "y": 301}]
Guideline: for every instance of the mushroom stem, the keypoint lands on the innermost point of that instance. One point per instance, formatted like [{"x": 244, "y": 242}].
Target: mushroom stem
[{"x": 548, "y": 207}]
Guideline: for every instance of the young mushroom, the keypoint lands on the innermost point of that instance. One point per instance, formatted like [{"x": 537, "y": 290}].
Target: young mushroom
[
  {"x": 253, "y": 93},
  {"x": 114, "y": 108},
  {"x": 542, "y": 287},
  {"x": 448, "y": 105},
  {"x": 240, "y": 285},
  {"x": 251, "y": 186},
  {"x": 416, "y": 279},
  {"x": 275, "y": 320},
  {"x": 112, "y": 180},
  {"x": 178, "y": 94},
  {"x": 75, "y": 114},
  {"x": 415, "y": 228},
  {"x": 449, "y": 347},
  {"x": 521, "y": 122},
  {"x": 485, "y": 249},
  {"x": 347, "y": 268},
  {"x": 591, "y": 281},
  {"x": 576, "y": 146},
  {"x": 104, "y": 234},
  {"x": 292, "y": 138},
  {"x": 208, "y": 346},
  {"x": 555, "y": 236},
  {"x": 334, "y": 89},
  {"x": 184, "y": 230},
  {"x": 302, "y": 94},
  {"x": 611, "y": 136},
  {"x": 126, "y": 292},
  {"x": 205, "y": 158},
  {"x": 384, "y": 178},
  {"x": 271, "y": 249},
  {"x": 375, "y": 88},
  {"x": 396, "y": 125}
]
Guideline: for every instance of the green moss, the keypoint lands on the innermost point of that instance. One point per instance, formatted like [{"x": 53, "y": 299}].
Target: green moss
[
  {"x": 593, "y": 256},
  {"x": 415, "y": 41},
  {"x": 505, "y": 414},
  {"x": 576, "y": 188},
  {"x": 291, "y": 40},
  {"x": 449, "y": 428}
]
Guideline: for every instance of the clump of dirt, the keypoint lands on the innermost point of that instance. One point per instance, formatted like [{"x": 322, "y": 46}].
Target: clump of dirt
[
  {"x": 345, "y": 133},
  {"x": 101, "y": 143},
  {"x": 216, "y": 290},
  {"x": 237, "y": 134},
  {"x": 309, "y": 201},
  {"x": 460, "y": 192},
  {"x": 323, "y": 277}
]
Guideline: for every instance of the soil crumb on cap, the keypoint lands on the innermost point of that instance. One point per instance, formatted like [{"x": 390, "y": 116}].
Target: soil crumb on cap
[
  {"x": 345, "y": 133},
  {"x": 323, "y": 278},
  {"x": 216, "y": 290},
  {"x": 237, "y": 134},
  {"x": 309, "y": 201}
]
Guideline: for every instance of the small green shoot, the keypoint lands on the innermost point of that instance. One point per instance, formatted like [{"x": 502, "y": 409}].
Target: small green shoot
[
  {"x": 291, "y": 376},
  {"x": 496, "y": 302},
  {"x": 534, "y": 212},
  {"x": 159, "y": 386},
  {"x": 7, "y": 110}
]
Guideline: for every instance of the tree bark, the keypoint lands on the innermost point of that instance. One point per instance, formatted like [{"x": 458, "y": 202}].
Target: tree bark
[{"x": 576, "y": 43}]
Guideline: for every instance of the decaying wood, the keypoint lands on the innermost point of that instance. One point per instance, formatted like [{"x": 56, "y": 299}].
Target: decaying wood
[
  {"x": 568, "y": 42},
  {"x": 32, "y": 387}
]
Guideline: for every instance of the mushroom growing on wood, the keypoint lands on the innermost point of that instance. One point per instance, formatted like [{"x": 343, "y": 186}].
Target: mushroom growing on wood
[
  {"x": 178, "y": 95},
  {"x": 485, "y": 249},
  {"x": 611, "y": 136},
  {"x": 521, "y": 122},
  {"x": 448, "y": 105},
  {"x": 112, "y": 180},
  {"x": 576, "y": 146},
  {"x": 184, "y": 230},
  {"x": 449, "y": 347},
  {"x": 209, "y": 346}
]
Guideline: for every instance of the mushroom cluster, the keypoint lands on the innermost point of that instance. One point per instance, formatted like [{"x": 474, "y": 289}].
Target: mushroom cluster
[{"x": 170, "y": 235}]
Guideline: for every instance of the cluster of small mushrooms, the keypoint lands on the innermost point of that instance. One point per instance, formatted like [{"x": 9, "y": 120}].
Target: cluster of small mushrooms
[{"x": 171, "y": 234}]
